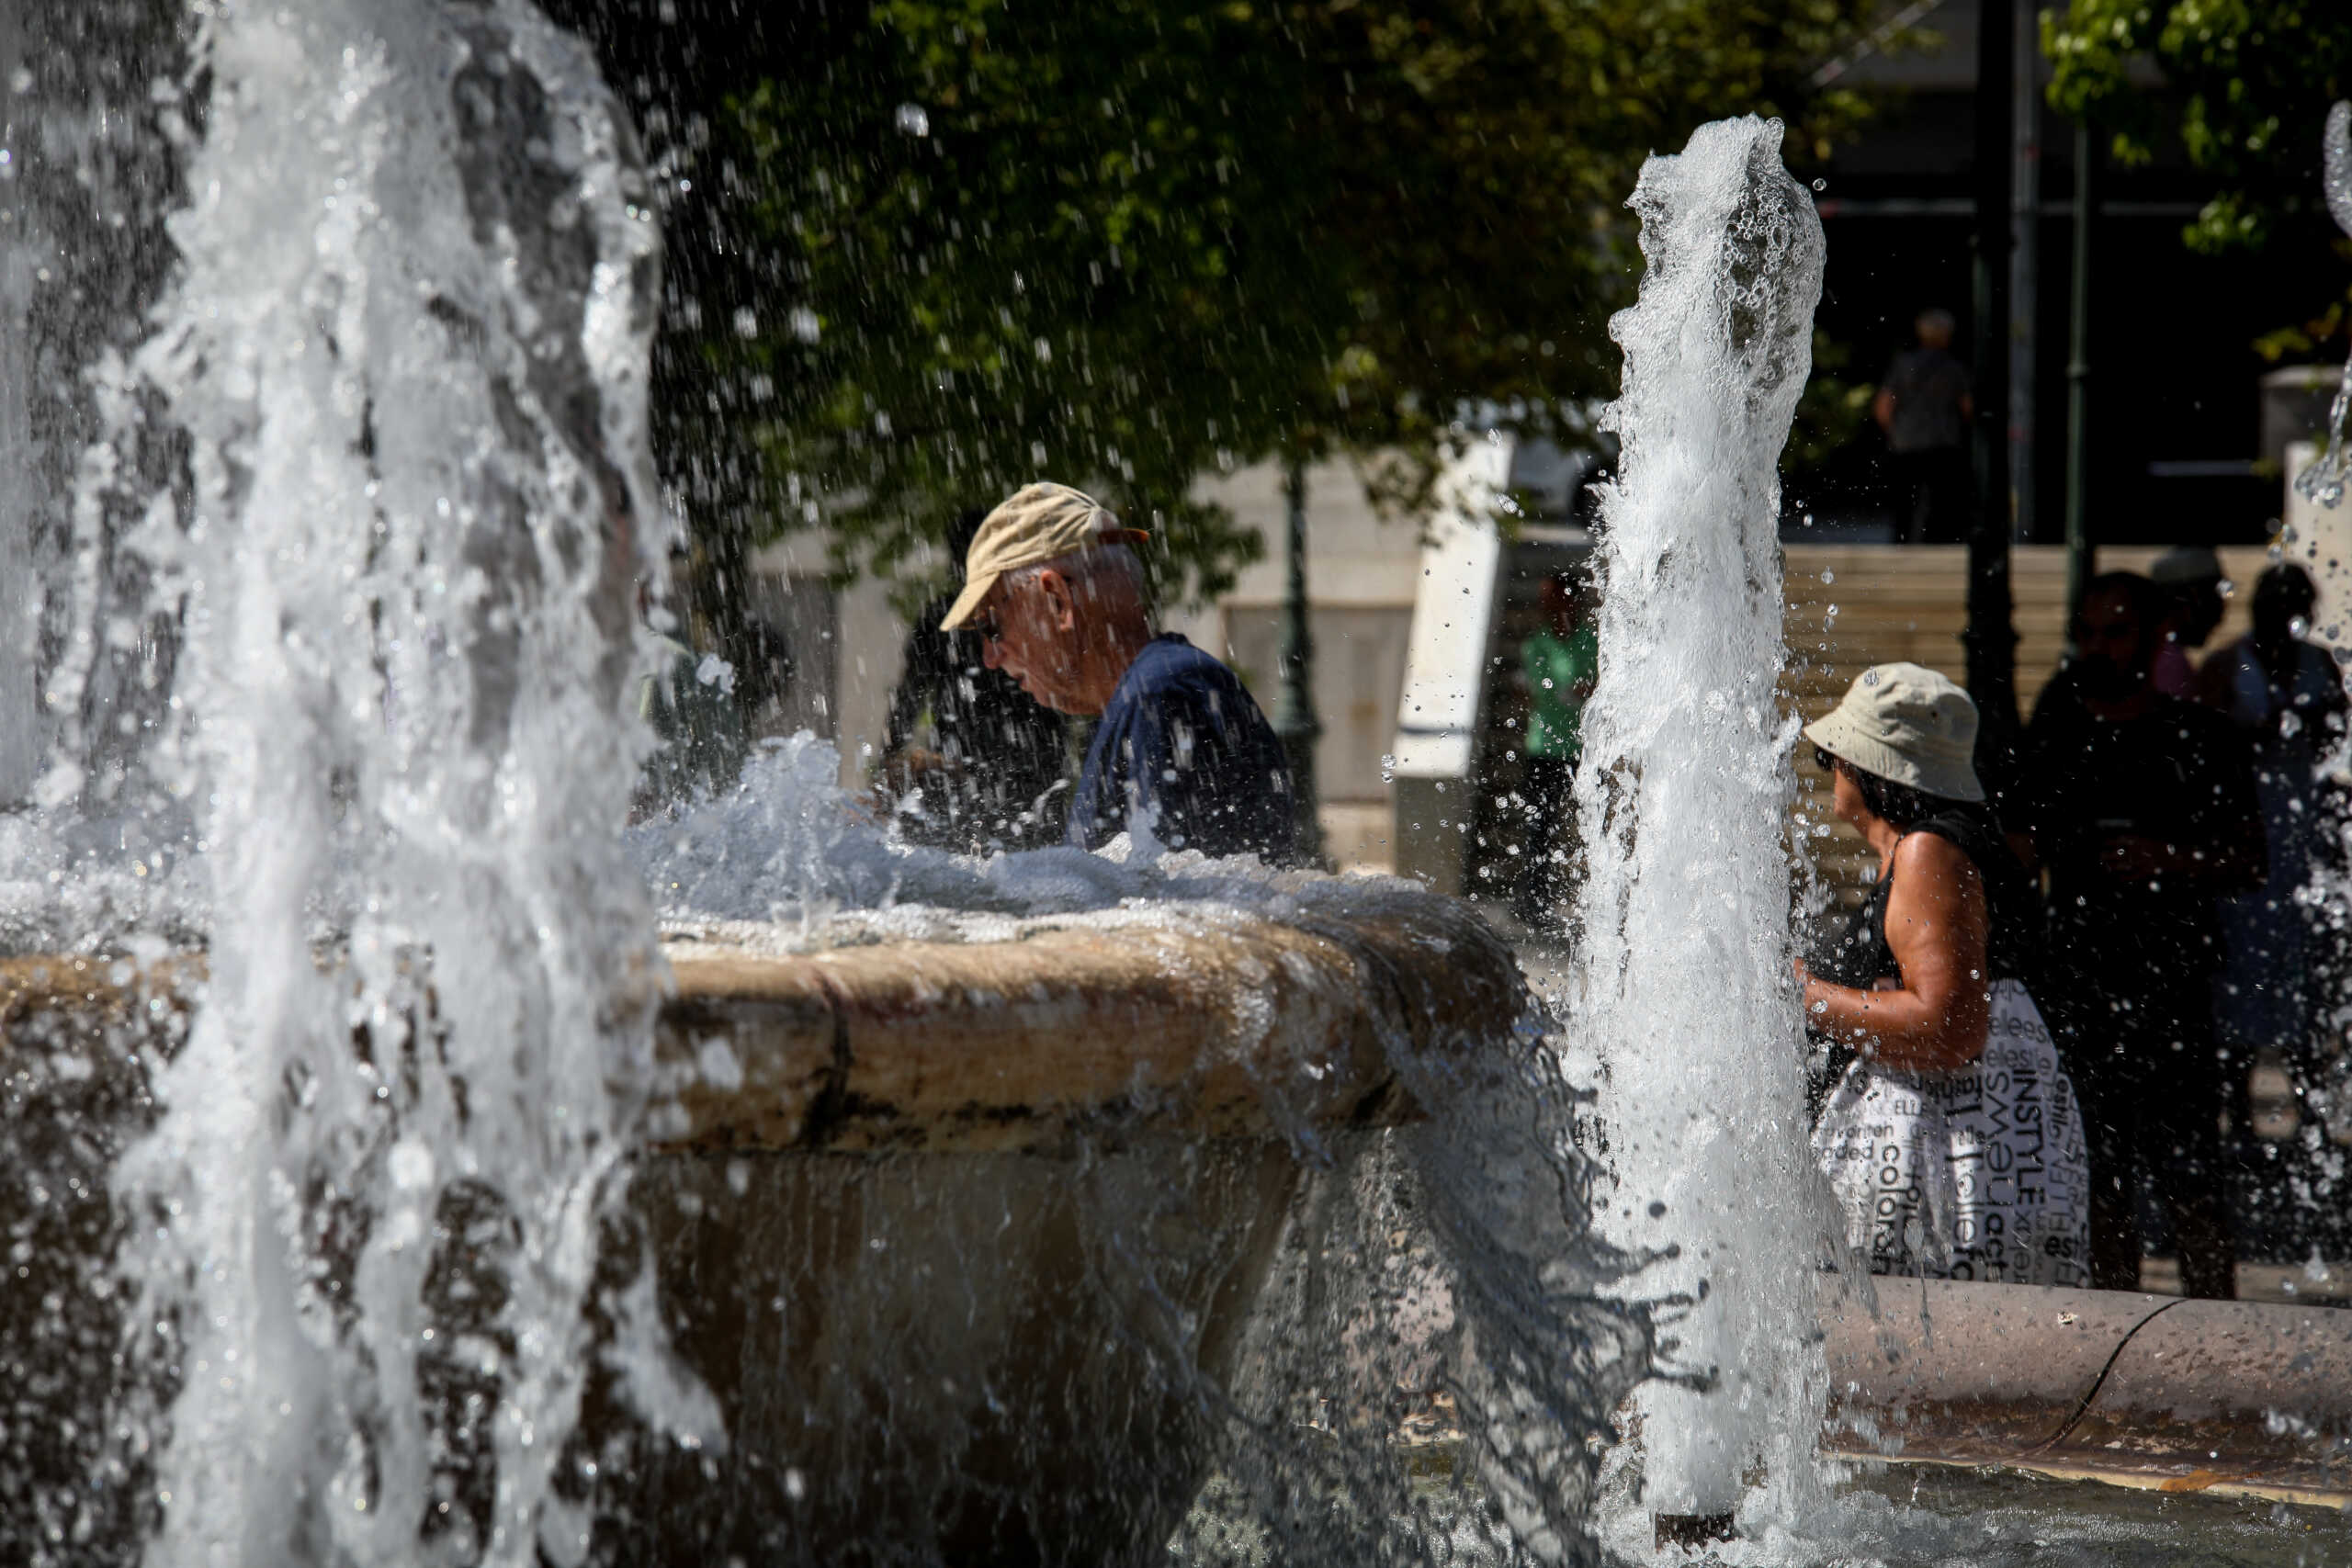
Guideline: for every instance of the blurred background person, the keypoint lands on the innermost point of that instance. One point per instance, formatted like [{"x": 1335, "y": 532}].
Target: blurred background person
[
  {"x": 1559, "y": 664},
  {"x": 2142, "y": 808},
  {"x": 2189, "y": 579},
  {"x": 1950, "y": 1132},
  {"x": 2287, "y": 699},
  {"x": 1924, "y": 405},
  {"x": 969, "y": 763}
]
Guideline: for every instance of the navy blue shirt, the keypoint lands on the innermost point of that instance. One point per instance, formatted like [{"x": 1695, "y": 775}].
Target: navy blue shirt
[{"x": 1182, "y": 740}]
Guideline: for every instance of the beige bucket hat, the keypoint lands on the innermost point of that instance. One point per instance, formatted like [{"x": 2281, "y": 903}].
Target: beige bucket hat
[
  {"x": 1036, "y": 523},
  {"x": 1907, "y": 725}
]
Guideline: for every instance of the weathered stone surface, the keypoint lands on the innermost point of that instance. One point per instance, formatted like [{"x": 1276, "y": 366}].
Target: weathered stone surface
[
  {"x": 941, "y": 1358},
  {"x": 960, "y": 1235},
  {"x": 2182, "y": 1395},
  {"x": 1236, "y": 1030},
  {"x": 43, "y": 995}
]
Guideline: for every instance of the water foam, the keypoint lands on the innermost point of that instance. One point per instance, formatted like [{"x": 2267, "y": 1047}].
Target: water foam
[
  {"x": 406, "y": 350},
  {"x": 1687, "y": 1001},
  {"x": 2323, "y": 480}
]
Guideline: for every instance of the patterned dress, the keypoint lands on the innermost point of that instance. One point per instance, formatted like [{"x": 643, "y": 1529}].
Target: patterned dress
[{"x": 1979, "y": 1172}]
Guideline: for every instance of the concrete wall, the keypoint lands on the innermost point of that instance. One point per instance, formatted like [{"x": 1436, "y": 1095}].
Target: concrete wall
[
  {"x": 1443, "y": 709},
  {"x": 847, "y": 648},
  {"x": 1360, "y": 573},
  {"x": 2320, "y": 539}
]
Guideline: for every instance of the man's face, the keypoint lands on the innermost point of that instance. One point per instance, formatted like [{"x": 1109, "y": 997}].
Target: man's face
[
  {"x": 1028, "y": 629},
  {"x": 2111, "y": 646}
]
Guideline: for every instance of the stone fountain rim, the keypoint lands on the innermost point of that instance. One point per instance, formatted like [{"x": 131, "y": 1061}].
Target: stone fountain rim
[
  {"x": 1046, "y": 1035},
  {"x": 2243, "y": 1399}
]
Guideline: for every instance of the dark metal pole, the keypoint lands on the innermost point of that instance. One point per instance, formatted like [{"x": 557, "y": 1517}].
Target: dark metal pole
[
  {"x": 1294, "y": 718},
  {"x": 2079, "y": 558},
  {"x": 1991, "y": 638},
  {"x": 2025, "y": 263}
]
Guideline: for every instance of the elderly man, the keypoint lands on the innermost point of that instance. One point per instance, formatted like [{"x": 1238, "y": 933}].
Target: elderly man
[{"x": 1055, "y": 590}]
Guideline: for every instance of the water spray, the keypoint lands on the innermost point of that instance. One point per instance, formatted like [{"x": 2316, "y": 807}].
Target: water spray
[
  {"x": 1684, "y": 794},
  {"x": 2324, "y": 481}
]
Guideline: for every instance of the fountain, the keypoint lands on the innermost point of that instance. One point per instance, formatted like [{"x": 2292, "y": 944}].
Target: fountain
[
  {"x": 385, "y": 1191},
  {"x": 2324, "y": 481},
  {"x": 1684, "y": 796},
  {"x": 953, "y": 1242},
  {"x": 404, "y": 1165}
]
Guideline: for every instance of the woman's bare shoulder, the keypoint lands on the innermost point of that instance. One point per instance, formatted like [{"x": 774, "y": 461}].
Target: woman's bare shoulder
[{"x": 1932, "y": 855}]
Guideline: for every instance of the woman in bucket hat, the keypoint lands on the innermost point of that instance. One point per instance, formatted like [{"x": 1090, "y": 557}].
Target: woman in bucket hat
[{"x": 1951, "y": 1135}]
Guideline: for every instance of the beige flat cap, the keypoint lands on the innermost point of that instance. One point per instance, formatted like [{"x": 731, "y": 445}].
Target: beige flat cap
[
  {"x": 1909, "y": 725},
  {"x": 1036, "y": 523}
]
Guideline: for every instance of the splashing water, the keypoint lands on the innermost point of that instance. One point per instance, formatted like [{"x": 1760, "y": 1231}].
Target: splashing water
[
  {"x": 341, "y": 702},
  {"x": 1683, "y": 796},
  {"x": 406, "y": 351},
  {"x": 2324, "y": 481},
  {"x": 19, "y": 709},
  {"x": 338, "y": 698}
]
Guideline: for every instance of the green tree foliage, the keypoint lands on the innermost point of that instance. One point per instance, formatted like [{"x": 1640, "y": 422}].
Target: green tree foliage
[
  {"x": 2244, "y": 89},
  {"x": 1124, "y": 243}
]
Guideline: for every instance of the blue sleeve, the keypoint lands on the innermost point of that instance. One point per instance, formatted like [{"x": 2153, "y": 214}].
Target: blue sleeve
[
  {"x": 1189, "y": 747},
  {"x": 1148, "y": 756},
  {"x": 1197, "y": 757},
  {"x": 1151, "y": 763}
]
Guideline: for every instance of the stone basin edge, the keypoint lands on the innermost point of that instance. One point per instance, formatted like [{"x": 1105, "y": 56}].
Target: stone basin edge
[
  {"x": 2249, "y": 1399},
  {"x": 1233, "y": 1027},
  {"x": 1257, "y": 1029}
]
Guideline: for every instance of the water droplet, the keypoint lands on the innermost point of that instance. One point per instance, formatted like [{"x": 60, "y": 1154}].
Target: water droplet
[
  {"x": 411, "y": 1165},
  {"x": 913, "y": 120}
]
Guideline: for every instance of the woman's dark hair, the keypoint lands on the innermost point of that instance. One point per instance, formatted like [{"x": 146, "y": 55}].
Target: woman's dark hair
[{"x": 1898, "y": 806}]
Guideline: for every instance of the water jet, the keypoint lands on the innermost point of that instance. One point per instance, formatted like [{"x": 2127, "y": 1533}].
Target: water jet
[{"x": 387, "y": 1184}]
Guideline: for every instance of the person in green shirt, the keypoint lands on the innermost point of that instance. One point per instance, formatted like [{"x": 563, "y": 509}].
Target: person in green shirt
[{"x": 1559, "y": 664}]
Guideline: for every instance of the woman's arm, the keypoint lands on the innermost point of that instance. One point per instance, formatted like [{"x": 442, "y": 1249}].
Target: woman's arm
[{"x": 1934, "y": 1018}]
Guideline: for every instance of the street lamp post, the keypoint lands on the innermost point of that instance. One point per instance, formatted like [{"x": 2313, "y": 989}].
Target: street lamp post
[
  {"x": 1991, "y": 637},
  {"x": 2078, "y": 379},
  {"x": 1294, "y": 718}
]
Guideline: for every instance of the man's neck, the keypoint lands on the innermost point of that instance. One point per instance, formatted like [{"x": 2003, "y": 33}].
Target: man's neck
[{"x": 1122, "y": 643}]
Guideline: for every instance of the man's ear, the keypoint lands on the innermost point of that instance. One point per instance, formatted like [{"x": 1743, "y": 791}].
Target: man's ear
[{"x": 1061, "y": 603}]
